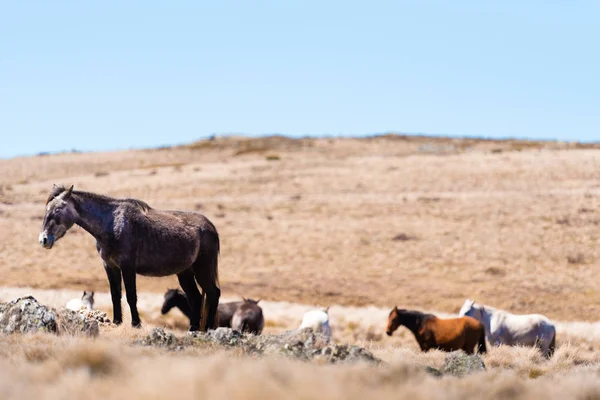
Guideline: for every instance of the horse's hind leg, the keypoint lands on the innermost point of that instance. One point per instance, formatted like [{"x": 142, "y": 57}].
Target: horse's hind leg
[
  {"x": 188, "y": 284},
  {"x": 206, "y": 280}
]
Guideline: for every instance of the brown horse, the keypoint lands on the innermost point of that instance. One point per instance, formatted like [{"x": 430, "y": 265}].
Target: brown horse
[
  {"x": 431, "y": 332},
  {"x": 176, "y": 298},
  {"x": 134, "y": 238}
]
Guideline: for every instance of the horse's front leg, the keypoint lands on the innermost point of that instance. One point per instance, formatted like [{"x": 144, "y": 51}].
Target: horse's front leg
[
  {"x": 114, "y": 280},
  {"x": 131, "y": 293}
]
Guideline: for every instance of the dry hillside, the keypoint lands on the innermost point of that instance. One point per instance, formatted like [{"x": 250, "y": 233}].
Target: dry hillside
[{"x": 414, "y": 221}]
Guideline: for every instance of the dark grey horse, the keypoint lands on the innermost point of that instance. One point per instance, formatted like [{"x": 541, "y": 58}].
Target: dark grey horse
[{"x": 134, "y": 238}]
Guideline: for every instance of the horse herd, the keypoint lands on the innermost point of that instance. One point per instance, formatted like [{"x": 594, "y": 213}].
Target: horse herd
[
  {"x": 133, "y": 238},
  {"x": 475, "y": 323}
]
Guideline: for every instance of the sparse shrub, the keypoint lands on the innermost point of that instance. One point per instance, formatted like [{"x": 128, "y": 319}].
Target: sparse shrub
[
  {"x": 273, "y": 157},
  {"x": 578, "y": 258},
  {"x": 98, "y": 174},
  {"x": 564, "y": 221},
  {"x": 583, "y": 210},
  {"x": 403, "y": 237},
  {"x": 535, "y": 373},
  {"x": 495, "y": 271}
]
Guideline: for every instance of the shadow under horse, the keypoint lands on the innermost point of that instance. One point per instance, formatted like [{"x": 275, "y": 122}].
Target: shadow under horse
[{"x": 134, "y": 238}]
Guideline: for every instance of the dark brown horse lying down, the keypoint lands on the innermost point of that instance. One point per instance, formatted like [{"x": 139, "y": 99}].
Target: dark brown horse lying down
[
  {"x": 248, "y": 314},
  {"x": 176, "y": 298},
  {"x": 431, "y": 332}
]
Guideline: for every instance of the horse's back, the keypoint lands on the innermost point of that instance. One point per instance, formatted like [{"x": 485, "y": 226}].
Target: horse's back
[
  {"x": 524, "y": 329},
  {"x": 452, "y": 333}
]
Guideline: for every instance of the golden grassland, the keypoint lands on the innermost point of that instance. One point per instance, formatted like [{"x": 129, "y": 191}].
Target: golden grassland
[
  {"x": 419, "y": 222},
  {"x": 359, "y": 224}
]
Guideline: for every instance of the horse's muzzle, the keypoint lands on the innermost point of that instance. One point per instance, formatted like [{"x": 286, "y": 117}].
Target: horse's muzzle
[
  {"x": 388, "y": 333},
  {"x": 47, "y": 241}
]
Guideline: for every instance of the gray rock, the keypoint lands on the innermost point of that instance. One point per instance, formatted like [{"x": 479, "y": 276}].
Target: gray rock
[
  {"x": 458, "y": 363},
  {"x": 26, "y": 315}
]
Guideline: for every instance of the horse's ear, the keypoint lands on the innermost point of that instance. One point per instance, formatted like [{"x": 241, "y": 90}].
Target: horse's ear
[
  {"x": 395, "y": 308},
  {"x": 68, "y": 193},
  {"x": 258, "y": 301},
  {"x": 244, "y": 299},
  {"x": 84, "y": 292},
  {"x": 326, "y": 310}
]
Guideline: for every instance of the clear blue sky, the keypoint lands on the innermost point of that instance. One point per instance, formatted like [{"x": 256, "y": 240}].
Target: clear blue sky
[{"x": 111, "y": 75}]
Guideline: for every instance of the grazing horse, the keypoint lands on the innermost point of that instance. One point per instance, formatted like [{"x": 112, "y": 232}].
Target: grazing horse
[
  {"x": 248, "y": 317},
  {"x": 86, "y": 300},
  {"x": 431, "y": 332},
  {"x": 318, "y": 320},
  {"x": 502, "y": 327},
  {"x": 176, "y": 298},
  {"x": 134, "y": 238}
]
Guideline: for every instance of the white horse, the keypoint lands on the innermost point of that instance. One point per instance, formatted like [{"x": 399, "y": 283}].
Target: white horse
[
  {"x": 502, "y": 327},
  {"x": 86, "y": 301},
  {"x": 318, "y": 320}
]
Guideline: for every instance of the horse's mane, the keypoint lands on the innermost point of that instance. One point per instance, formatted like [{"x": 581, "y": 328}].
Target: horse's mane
[
  {"x": 142, "y": 205},
  {"x": 489, "y": 308},
  {"x": 56, "y": 190},
  {"x": 414, "y": 313}
]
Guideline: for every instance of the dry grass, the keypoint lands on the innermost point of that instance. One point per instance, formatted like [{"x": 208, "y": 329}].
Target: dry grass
[
  {"x": 51, "y": 367},
  {"x": 112, "y": 366}
]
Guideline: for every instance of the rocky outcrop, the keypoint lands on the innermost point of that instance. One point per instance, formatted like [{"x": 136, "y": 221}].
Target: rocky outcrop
[
  {"x": 302, "y": 344},
  {"x": 26, "y": 315}
]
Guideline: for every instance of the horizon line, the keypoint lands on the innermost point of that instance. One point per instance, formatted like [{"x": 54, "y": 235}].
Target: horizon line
[{"x": 310, "y": 135}]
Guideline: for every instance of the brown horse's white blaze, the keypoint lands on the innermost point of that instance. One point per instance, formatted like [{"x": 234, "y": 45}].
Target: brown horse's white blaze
[{"x": 134, "y": 238}]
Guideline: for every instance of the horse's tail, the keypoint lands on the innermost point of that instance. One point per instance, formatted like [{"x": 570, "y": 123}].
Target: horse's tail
[
  {"x": 482, "y": 345},
  {"x": 215, "y": 270},
  {"x": 552, "y": 345}
]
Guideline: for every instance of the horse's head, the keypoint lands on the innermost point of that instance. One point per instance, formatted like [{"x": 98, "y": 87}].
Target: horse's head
[
  {"x": 60, "y": 216},
  {"x": 171, "y": 298},
  {"x": 470, "y": 309},
  {"x": 88, "y": 298},
  {"x": 394, "y": 321}
]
